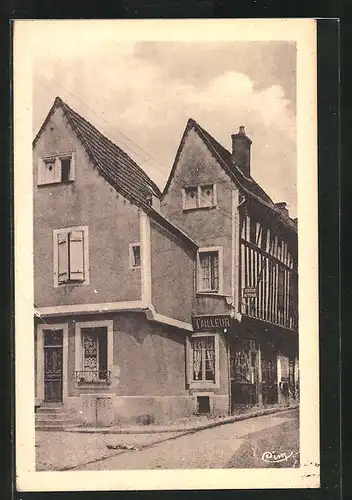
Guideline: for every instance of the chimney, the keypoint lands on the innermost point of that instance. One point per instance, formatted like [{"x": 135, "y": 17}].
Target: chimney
[
  {"x": 282, "y": 206},
  {"x": 241, "y": 151}
]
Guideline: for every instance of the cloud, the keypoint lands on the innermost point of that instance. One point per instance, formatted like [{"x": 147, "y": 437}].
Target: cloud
[{"x": 136, "y": 103}]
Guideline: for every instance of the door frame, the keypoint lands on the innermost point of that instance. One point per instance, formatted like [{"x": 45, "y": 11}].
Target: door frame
[{"x": 40, "y": 358}]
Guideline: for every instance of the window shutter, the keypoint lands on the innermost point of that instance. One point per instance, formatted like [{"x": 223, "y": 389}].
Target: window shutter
[
  {"x": 57, "y": 170},
  {"x": 72, "y": 168},
  {"x": 76, "y": 256},
  {"x": 62, "y": 258}
]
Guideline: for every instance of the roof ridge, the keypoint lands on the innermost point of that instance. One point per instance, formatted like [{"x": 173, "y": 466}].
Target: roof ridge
[
  {"x": 227, "y": 152},
  {"x": 58, "y": 100}
]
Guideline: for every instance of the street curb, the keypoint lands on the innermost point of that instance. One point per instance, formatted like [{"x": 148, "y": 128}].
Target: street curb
[{"x": 145, "y": 430}]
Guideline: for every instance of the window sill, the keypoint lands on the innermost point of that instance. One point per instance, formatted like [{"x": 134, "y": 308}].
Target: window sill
[
  {"x": 195, "y": 209},
  {"x": 55, "y": 183},
  {"x": 194, "y": 385},
  {"x": 71, "y": 283},
  {"x": 211, "y": 294},
  {"x": 87, "y": 385}
]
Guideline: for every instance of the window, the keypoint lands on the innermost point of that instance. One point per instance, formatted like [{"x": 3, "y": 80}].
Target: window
[
  {"x": 94, "y": 350},
  {"x": 263, "y": 239},
  {"x": 135, "y": 255},
  {"x": 206, "y": 197},
  {"x": 56, "y": 169},
  {"x": 190, "y": 198},
  {"x": 281, "y": 292},
  {"x": 199, "y": 197},
  {"x": 210, "y": 270},
  {"x": 93, "y": 357},
  {"x": 153, "y": 201},
  {"x": 252, "y": 230},
  {"x": 71, "y": 262},
  {"x": 203, "y": 359}
]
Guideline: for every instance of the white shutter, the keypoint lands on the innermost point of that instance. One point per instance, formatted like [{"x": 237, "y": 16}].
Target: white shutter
[
  {"x": 62, "y": 258},
  {"x": 57, "y": 170},
  {"x": 76, "y": 256},
  {"x": 72, "y": 168}
]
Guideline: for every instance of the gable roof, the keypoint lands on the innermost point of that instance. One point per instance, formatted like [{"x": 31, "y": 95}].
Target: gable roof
[
  {"x": 117, "y": 168},
  {"x": 247, "y": 184}
]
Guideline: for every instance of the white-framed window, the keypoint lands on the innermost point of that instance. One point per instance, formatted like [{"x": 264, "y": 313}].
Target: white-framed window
[
  {"x": 204, "y": 360},
  {"x": 94, "y": 352},
  {"x": 71, "y": 256},
  {"x": 56, "y": 169},
  {"x": 199, "y": 197},
  {"x": 210, "y": 270},
  {"x": 135, "y": 255}
]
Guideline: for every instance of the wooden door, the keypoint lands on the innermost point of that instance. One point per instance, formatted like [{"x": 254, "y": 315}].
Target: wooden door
[
  {"x": 53, "y": 365},
  {"x": 269, "y": 380}
]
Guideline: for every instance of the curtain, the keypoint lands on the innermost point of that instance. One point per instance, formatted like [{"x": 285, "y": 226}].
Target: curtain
[{"x": 210, "y": 354}]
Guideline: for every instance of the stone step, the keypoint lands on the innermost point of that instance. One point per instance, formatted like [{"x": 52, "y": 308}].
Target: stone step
[
  {"x": 50, "y": 409},
  {"x": 55, "y": 427},
  {"x": 54, "y": 423},
  {"x": 56, "y": 417}
]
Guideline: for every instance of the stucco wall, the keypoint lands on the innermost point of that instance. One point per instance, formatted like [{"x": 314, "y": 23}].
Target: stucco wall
[
  {"x": 208, "y": 227},
  {"x": 112, "y": 222},
  {"x": 151, "y": 358},
  {"x": 148, "y": 358},
  {"x": 172, "y": 266}
]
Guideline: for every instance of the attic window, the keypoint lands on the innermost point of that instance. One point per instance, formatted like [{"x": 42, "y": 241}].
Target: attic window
[
  {"x": 56, "y": 169},
  {"x": 199, "y": 197},
  {"x": 65, "y": 169}
]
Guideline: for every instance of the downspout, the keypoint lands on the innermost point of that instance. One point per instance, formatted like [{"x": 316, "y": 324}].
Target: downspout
[{"x": 146, "y": 274}]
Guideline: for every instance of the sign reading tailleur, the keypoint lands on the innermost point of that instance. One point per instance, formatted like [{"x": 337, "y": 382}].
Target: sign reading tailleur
[{"x": 210, "y": 323}]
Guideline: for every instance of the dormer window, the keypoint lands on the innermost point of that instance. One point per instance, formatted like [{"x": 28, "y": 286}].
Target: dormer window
[
  {"x": 199, "y": 197},
  {"x": 153, "y": 201},
  {"x": 56, "y": 169}
]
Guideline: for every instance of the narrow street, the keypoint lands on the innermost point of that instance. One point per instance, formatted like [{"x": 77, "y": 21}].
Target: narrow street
[{"x": 236, "y": 445}]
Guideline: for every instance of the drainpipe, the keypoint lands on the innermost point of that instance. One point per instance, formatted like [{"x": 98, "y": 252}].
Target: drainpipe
[{"x": 229, "y": 376}]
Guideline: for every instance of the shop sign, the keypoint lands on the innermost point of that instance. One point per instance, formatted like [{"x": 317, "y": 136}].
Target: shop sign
[
  {"x": 210, "y": 323},
  {"x": 250, "y": 292}
]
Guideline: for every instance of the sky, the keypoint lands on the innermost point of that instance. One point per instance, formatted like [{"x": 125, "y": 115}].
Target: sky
[{"x": 141, "y": 95}]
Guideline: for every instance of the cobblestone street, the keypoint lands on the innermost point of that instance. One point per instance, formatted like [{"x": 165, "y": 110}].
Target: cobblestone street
[
  {"x": 238, "y": 444},
  {"x": 61, "y": 450}
]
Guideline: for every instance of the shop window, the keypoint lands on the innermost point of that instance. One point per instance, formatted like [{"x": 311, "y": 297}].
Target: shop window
[
  {"x": 56, "y": 169},
  {"x": 243, "y": 364},
  {"x": 71, "y": 262},
  {"x": 203, "y": 355}
]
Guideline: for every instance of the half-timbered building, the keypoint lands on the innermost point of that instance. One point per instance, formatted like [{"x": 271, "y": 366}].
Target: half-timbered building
[
  {"x": 152, "y": 306},
  {"x": 244, "y": 349}
]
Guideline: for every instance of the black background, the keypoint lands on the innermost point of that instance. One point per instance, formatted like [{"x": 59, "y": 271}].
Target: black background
[{"x": 332, "y": 180}]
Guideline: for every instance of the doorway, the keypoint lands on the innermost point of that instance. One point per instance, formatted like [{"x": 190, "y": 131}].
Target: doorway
[
  {"x": 244, "y": 373},
  {"x": 269, "y": 379},
  {"x": 53, "y": 365}
]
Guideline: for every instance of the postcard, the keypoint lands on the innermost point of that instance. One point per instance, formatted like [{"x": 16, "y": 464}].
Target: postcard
[{"x": 166, "y": 254}]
